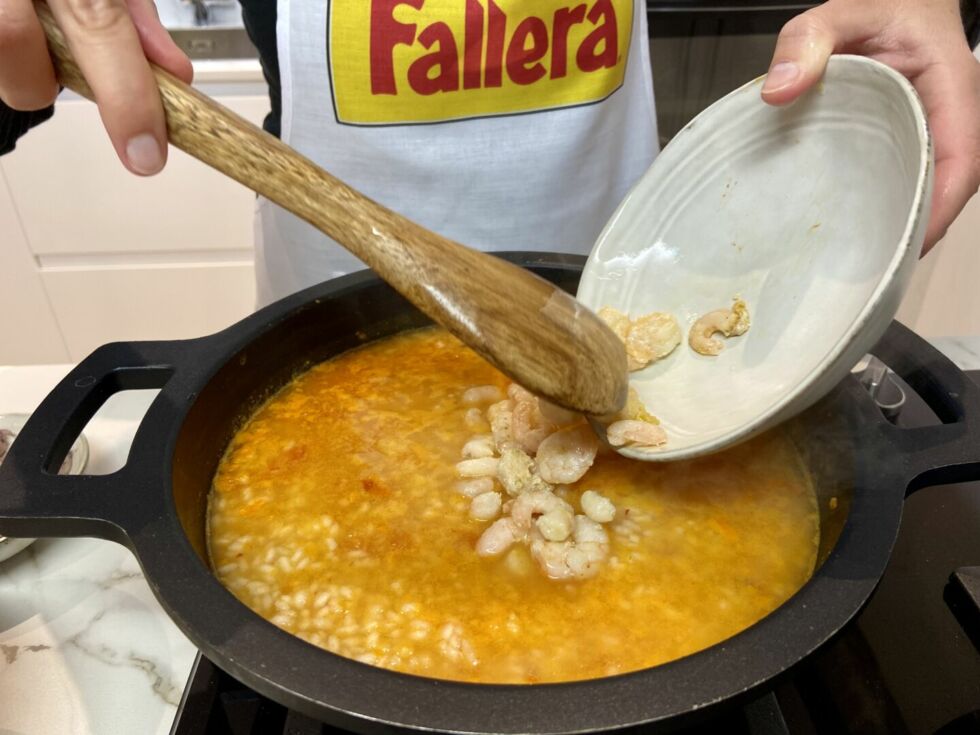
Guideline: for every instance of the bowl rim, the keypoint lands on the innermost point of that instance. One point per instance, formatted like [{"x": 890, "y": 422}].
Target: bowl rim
[{"x": 919, "y": 208}]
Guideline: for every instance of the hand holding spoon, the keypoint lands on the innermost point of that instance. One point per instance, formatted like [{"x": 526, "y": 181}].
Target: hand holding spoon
[{"x": 538, "y": 335}]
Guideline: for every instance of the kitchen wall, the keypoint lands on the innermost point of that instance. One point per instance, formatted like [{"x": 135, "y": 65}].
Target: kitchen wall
[
  {"x": 90, "y": 254},
  {"x": 944, "y": 299}
]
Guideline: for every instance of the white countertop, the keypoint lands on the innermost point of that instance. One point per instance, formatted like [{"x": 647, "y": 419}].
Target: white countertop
[{"x": 84, "y": 647}]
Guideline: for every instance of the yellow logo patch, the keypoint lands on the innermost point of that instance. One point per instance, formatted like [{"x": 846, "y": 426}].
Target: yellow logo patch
[{"x": 418, "y": 61}]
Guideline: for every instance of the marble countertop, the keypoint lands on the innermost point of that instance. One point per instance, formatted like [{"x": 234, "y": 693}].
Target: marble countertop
[{"x": 84, "y": 647}]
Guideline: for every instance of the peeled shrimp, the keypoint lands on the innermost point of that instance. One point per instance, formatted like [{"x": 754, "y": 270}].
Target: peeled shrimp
[
  {"x": 474, "y": 486},
  {"x": 636, "y": 410},
  {"x": 474, "y": 420},
  {"x": 651, "y": 337},
  {"x": 588, "y": 531},
  {"x": 529, "y": 427},
  {"x": 578, "y": 558},
  {"x": 482, "y": 467},
  {"x": 499, "y": 537},
  {"x": 551, "y": 515},
  {"x": 556, "y": 525},
  {"x": 566, "y": 455},
  {"x": 529, "y": 506},
  {"x": 515, "y": 470},
  {"x": 518, "y": 393},
  {"x": 597, "y": 507},
  {"x": 501, "y": 417},
  {"x": 479, "y": 447},
  {"x": 633, "y": 432},
  {"x": 647, "y": 338},
  {"x": 482, "y": 394},
  {"x": 485, "y": 506},
  {"x": 729, "y": 322},
  {"x": 618, "y": 322}
]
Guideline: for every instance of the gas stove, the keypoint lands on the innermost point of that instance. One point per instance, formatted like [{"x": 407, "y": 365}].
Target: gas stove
[{"x": 909, "y": 664}]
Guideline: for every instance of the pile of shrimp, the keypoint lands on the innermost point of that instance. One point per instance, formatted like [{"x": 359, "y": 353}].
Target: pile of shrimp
[
  {"x": 647, "y": 338},
  {"x": 654, "y": 336},
  {"x": 518, "y": 477}
]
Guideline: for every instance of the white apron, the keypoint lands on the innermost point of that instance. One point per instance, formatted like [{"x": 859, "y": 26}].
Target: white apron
[{"x": 502, "y": 124}]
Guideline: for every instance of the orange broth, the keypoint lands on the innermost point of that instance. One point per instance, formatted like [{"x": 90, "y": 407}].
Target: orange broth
[{"x": 333, "y": 515}]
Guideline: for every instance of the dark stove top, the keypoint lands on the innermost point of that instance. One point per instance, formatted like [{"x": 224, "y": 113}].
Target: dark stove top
[{"x": 909, "y": 664}]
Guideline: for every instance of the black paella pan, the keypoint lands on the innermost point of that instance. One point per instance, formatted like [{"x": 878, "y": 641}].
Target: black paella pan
[{"x": 156, "y": 506}]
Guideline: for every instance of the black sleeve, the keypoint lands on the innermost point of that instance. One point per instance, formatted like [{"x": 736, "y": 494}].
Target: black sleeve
[
  {"x": 14, "y": 123},
  {"x": 259, "y": 18},
  {"x": 970, "y": 11}
]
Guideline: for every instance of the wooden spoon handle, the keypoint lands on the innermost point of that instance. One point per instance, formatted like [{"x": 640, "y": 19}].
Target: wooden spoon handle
[
  {"x": 217, "y": 136},
  {"x": 533, "y": 332}
]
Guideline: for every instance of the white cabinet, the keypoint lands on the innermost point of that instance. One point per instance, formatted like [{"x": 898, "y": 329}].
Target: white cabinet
[
  {"x": 147, "y": 302},
  {"x": 29, "y": 332},
  {"x": 98, "y": 255},
  {"x": 92, "y": 254},
  {"x": 75, "y": 198}
]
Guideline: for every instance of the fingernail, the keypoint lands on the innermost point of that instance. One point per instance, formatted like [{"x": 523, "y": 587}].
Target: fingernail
[
  {"x": 781, "y": 75},
  {"x": 144, "y": 154}
]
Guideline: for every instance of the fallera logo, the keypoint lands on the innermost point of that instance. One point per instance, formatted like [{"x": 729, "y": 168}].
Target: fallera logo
[{"x": 412, "y": 61}]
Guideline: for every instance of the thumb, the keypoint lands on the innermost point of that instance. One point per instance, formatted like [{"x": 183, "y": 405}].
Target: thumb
[{"x": 806, "y": 42}]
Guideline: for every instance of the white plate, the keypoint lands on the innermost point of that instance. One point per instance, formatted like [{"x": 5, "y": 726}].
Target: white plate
[
  {"x": 74, "y": 464},
  {"x": 814, "y": 214}
]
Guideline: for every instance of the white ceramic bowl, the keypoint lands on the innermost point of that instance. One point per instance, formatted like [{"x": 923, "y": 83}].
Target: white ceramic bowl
[{"x": 814, "y": 214}]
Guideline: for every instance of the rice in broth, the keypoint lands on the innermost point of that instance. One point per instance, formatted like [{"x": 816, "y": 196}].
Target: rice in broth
[{"x": 335, "y": 514}]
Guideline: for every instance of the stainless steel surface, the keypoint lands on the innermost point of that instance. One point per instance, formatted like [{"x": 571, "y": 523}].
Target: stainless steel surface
[
  {"x": 214, "y": 43},
  {"x": 723, "y": 6},
  {"x": 701, "y": 51},
  {"x": 190, "y": 13},
  {"x": 207, "y": 29}
]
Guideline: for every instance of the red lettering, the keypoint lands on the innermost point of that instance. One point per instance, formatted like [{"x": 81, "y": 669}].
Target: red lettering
[
  {"x": 496, "y": 36},
  {"x": 473, "y": 44},
  {"x": 523, "y": 62},
  {"x": 386, "y": 33},
  {"x": 445, "y": 60},
  {"x": 606, "y": 35},
  {"x": 483, "y": 62},
  {"x": 565, "y": 18}
]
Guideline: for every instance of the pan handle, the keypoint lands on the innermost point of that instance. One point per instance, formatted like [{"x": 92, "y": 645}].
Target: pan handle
[
  {"x": 31, "y": 490},
  {"x": 948, "y": 452}
]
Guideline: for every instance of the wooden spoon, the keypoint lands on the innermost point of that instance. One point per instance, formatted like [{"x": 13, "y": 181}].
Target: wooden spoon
[{"x": 538, "y": 335}]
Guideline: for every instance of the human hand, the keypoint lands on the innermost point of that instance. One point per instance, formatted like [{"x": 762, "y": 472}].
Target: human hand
[
  {"x": 923, "y": 40},
  {"x": 111, "y": 41}
]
